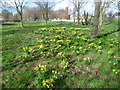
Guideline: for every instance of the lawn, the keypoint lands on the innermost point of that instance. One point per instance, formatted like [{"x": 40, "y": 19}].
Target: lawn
[{"x": 59, "y": 56}]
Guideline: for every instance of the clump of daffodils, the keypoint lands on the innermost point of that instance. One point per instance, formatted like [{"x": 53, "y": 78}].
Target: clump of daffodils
[
  {"x": 59, "y": 41},
  {"x": 73, "y": 47},
  {"x": 63, "y": 27},
  {"x": 92, "y": 45},
  {"x": 63, "y": 64},
  {"x": 68, "y": 41},
  {"x": 48, "y": 83},
  {"x": 58, "y": 36},
  {"x": 80, "y": 48},
  {"x": 58, "y": 47},
  {"x": 25, "y": 48},
  {"x": 77, "y": 28},
  {"x": 110, "y": 52},
  {"x": 43, "y": 29},
  {"x": 60, "y": 30},
  {"x": 61, "y": 54},
  {"x": 28, "y": 49},
  {"x": 40, "y": 46},
  {"x": 31, "y": 50},
  {"x": 43, "y": 68},
  {"x": 43, "y": 79},
  {"x": 99, "y": 47},
  {"x": 117, "y": 58},
  {"x": 116, "y": 71},
  {"x": 87, "y": 58},
  {"x": 84, "y": 38},
  {"x": 40, "y": 41}
]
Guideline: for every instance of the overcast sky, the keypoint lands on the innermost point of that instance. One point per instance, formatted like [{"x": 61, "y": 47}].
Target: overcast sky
[{"x": 61, "y": 4}]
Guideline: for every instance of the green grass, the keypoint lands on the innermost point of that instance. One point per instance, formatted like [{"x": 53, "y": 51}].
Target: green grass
[{"x": 98, "y": 72}]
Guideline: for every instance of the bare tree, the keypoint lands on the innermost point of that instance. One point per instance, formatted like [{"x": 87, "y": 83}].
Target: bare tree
[
  {"x": 32, "y": 14},
  {"x": 19, "y": 6},
  {"x": 78, "y": 4},
  {"x": 85, "y": 18},
  {"x": 111, "y": 15},
  {"x": 105, "y": 5},
  {"x": 94, "y": 32},
  {"x": 74, "y": 12},
  {"x": 45, "y": 8},
  {"x": 4, "y": 5},
  {"x": 5, "y": 11},
  {"x": 6, "y": 15},
  {"x": 16, "y": 17}
]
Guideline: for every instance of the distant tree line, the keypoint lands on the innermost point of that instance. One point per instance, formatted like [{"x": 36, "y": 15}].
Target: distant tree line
[{"x": 44, "y": 11}]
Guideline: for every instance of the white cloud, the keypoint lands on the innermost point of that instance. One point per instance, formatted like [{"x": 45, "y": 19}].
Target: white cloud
[
  {"x": 68, "y": 3},
  {"x": 63, "y": 4},
  {"x": 89, "y": 7}
]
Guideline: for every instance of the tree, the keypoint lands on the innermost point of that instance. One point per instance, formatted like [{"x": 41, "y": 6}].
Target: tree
[
  {"x": 19, "y": 6},
  {"x": 6, "y": 15},
  {"x": 104, "y": 7},
  {"x": 94, "y": 32},
  {"x": 78, "y": 4},
  {"x": 31, "y": 14},
  {"x": 45, "y": 8},
  {"x": 110, "y": 16},
  {"x": 74, "y": 12},
  {"x": 16, "y": 16},
  {"x": 85, "y": 18},
  {"x": 4, "y": 5}
]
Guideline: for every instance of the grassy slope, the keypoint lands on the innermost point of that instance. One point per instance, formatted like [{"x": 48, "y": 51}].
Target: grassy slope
[{"x": 21, "y": 75}]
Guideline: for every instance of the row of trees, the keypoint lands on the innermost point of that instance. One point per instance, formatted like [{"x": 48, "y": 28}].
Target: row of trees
[
  {"x": 44, "y": 11},
  {"x": 32, "y": 14}
]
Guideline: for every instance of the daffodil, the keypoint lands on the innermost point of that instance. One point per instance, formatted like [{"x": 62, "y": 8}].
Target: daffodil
[
  {"x": 40, "y": 41},
  {"x": 80, "y": 47},
  {"x": 36, "y": 68},
  {"x": 115, "y": 57},
  {"x": 60, "y": 53},
  {"x": 53, "y": 71},
  {"x": 99, "y": 50},
  {"x": 59, "y": 41},
  {"x": 99, "y": 47},
  {"x": 116, "y": 72},
  {"x": 68, "y": 41},
  {"x": 57, "y": 36},
  {"x": 31, "y": 50},
  {"x": 73, "y": 47},
  {"x": 113, "y": 70},
  {"x": 58, "y": 46},
  {"x": 110, "y": 52},
  {"x": 41, "y": 46}
]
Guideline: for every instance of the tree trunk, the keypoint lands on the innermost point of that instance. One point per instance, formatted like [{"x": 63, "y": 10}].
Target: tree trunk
[
  {"x": 91, "y": 20},
  {"x": 78, "y": 13},
  {"x": 61, "y": 21},
  {"x": 78, "y": 19},
  {"x": 74, "y": 18},
  {"x": 46, "y": 19},
  {"x": 86, "y": 18},
  {"x": 21, "y": 19},
  {"x": 95, "y": 29},
  {"x": 101, "y": 18}
]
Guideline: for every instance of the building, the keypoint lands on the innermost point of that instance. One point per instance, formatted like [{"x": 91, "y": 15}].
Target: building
[{"x": 62, "y": 14}]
